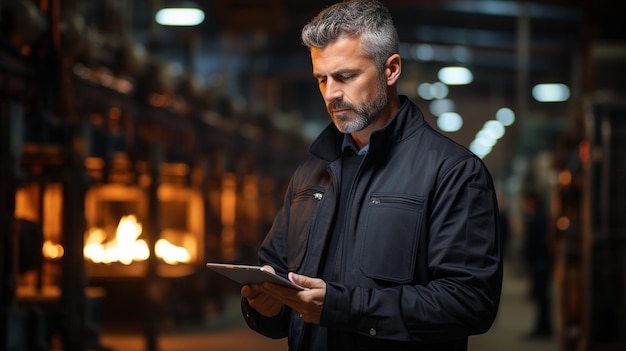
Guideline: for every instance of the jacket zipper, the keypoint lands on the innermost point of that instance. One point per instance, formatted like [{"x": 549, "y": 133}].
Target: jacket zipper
[{"x": 398, "y": 199}]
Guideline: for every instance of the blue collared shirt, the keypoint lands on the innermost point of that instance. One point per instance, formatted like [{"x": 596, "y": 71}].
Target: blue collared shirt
[{"x": 349, "y": 142}]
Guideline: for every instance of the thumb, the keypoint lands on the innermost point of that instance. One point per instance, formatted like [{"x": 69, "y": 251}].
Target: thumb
[{"x": 305, "y": 282}]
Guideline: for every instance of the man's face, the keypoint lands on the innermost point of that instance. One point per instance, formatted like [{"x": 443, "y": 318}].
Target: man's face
[{"x": 354, "y": 90}]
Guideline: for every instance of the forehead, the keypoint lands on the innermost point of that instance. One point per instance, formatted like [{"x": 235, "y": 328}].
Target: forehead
[{"x": 343, "y": 53}]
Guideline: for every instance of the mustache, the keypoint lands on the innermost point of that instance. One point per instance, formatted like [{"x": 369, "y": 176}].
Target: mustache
[{"x": 339, "y": 105}]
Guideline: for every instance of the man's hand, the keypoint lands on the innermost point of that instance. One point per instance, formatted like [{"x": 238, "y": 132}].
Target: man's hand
[
  {"x": 309, "y": 303},
  {"x": 269, "y": 298},
  {"x": 260, "y": 300}
]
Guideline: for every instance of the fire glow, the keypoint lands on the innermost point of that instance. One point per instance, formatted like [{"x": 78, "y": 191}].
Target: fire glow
[{"x": 127, "y": 247}]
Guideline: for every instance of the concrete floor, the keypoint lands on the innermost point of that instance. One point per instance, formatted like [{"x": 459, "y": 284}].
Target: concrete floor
[{"x": 227, "y": 332}]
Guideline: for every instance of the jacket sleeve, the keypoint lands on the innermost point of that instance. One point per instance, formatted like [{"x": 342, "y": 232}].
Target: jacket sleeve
[
  {"x": 458, "y": 280},
  {"x": 272, "y": 327}
]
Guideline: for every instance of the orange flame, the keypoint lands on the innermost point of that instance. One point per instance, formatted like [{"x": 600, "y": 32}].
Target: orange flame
[{"x": 127, "y": 247}]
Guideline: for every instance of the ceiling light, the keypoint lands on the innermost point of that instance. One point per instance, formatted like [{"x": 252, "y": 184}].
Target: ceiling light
[
  {"x": 489, "y": 135},
  {"x": 438, "y": 90},
  {"x": 450, "y": 122},
  {"x": 484, "y": 138},
  {"x": 438, "y": 107},
  {"x": 481, "y": 150},
  {"x": 424, "y": 52},
  {"x": 506, "y": 116},
  {"x": 179, "y": 17},
  {"x": 424, "y": 91},
  {"x": 551, "y": 92},
  {"x": 494, "y": 128},
  {"x": 455, "y": 75},
  {"x": 461, "y": 53}
]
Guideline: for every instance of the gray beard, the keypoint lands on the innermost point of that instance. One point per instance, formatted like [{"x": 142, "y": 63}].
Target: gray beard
[{"x": 365, "y": 114}]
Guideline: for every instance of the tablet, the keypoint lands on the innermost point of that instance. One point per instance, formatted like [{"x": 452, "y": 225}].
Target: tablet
[{"x": 245, "y": 274}]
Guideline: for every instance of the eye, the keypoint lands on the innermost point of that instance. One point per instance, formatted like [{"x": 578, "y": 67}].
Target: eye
[{"x": 346, "y": 77}]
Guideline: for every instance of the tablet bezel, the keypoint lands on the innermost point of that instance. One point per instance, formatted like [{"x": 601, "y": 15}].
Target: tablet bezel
[{"x": 249, "y": 274}]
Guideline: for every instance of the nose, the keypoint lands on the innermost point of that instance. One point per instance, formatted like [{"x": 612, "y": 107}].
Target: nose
[{"x": 331, "y": 90}]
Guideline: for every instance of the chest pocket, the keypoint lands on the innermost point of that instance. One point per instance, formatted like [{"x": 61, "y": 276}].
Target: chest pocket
[
  {"x": 301, "y": 214},
  {"x": 391, "y": 236}
]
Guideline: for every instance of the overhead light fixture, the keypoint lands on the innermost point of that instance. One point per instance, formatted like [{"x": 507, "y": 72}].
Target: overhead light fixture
[
  {"x": 430, "y": 91},
  {"x": 183, "y": 17},
  {"x": 438, "y": 90},
  {"x": 494, "y": 129},
  {"x": 424, "y": 52},
  {"x": 488, "y": 136},
  {"x": 551, "y": 92},
  {"x": 479, "y": 148},
  {"x": 438, "y": 107},
  {"x": 455, "y": 75},
  {"x": 506, "y": 116},
  {"x": 450, "y": 122},
  {"x": 423, "y": 90}
]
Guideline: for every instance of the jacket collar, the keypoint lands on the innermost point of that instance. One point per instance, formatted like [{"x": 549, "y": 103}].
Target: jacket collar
[{"x": 408, "y": 119}]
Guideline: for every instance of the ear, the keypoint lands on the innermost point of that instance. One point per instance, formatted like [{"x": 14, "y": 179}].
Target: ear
[{"x": 393, "y": 68}]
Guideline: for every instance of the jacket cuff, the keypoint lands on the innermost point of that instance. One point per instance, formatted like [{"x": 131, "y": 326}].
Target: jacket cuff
[
  {"x": 249, "y": 314},
  {"x": 339, "y": 311},
  {"x": 272, "y": 327}
]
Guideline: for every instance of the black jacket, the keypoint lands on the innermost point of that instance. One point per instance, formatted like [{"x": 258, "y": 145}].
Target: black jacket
[{"x": 419, "y": 266}]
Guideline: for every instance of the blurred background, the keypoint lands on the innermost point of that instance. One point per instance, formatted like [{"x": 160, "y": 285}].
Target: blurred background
[{"x": 136, "y": 147}]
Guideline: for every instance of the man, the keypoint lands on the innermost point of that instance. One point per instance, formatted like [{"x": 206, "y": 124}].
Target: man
[{"x": 390, "y": 226}]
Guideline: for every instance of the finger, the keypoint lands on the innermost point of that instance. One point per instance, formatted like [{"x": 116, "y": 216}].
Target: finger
[
  {"x": 277, "y": 291},
  {"x": 246, "y": 290},
  {"x": 306, "y": 282},
  {"x": 266, "y": 305},
  {"x": 269, "y": 269},
  {"x": 287, "y": 296},
  {"x": 253, "y": 291}
]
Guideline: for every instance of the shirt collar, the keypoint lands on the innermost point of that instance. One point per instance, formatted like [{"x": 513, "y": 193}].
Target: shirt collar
[{"x": 348, "y": 142}]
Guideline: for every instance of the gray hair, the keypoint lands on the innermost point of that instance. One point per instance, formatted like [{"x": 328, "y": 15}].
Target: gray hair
[{"x": 368, "y": 19}]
